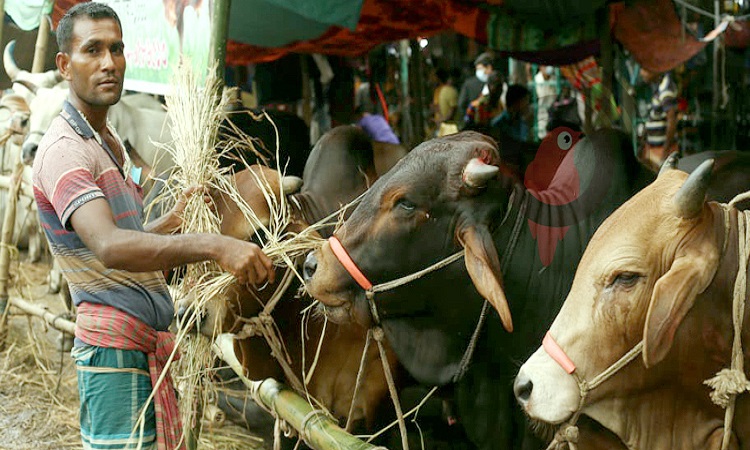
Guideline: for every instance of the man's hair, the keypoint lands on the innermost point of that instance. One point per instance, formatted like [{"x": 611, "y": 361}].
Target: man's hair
[
  {"x": 485, "y": 59},
  {"x": 91, "y": 10},
  {"x": 515, "y": 94}
]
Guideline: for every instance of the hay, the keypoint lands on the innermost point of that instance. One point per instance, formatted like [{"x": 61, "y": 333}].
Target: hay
[{"x": 38, "y": 400}]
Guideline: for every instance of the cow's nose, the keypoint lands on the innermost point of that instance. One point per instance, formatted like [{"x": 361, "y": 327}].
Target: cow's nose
[
  {"x": 311, "y": 264},
  {"x": 522, "y": 388},
  {"x": 29, "y": 152}
]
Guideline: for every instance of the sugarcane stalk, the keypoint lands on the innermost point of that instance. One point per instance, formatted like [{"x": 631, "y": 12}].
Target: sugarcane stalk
[{"x": 317, "y": 429}]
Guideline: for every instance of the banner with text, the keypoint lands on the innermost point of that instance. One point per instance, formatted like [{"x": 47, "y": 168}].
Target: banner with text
[{"x": 156, "y": 34}]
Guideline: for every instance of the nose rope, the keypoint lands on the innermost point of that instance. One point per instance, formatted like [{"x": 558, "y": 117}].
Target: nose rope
[{"x": 567, "y": 434}]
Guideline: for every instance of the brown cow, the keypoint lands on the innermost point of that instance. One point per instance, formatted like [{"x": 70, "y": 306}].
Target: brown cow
[
  {"x": 341, "y": 166},
  {"x": 660, "y": 270}
]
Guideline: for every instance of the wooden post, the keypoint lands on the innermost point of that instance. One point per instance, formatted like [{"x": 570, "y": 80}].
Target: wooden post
[
  {"x": 715, "y": 102},
  {"x": 607, "y": 63},
  {"x": 219, "y": 26},
  {"x": 2, "y": 22},
  {"x": 42, "y": 40},
  {"x": 306, "y": 92},
  {"x": 6, "y": 237},
  {"x": 418, "y": 92},
  {"x": 407, "y": 127},
  {"x": 320, "y": 431}
]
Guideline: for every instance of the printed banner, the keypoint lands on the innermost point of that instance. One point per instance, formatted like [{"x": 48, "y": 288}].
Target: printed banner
[{"x": 156, "y": 34}]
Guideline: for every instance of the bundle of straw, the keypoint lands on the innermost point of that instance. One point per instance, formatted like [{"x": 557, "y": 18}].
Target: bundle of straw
[{"x": 195, "y": 116}]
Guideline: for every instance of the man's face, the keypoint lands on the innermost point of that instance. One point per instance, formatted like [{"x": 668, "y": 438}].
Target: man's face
[
  {"x": 487, "y": 68},
  {"x": 95, "y": 65}
]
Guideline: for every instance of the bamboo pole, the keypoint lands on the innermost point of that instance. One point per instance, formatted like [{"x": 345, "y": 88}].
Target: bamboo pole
[
  {"x": 2, "y": 22},
  {"x": 6, "y": 238},
  {"x": 55, "y": 321},
  {"x": 318, "y": 430},
  {"x": 42, "y": 41},
  {"x": 219, "y": 27}
]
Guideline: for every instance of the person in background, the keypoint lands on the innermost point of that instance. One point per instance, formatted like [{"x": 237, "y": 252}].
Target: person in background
[
  {"x": 92, "y": 214},
  {"x": 512, "y": 131},
  {"x": 445, "y": 98},
  {"x": 661, "y": 123},
  {"x": 481, "y": 111},
  {"x": 375, "y": 126},
  {"x": 514, "y": 121},
  {"x": 472, "y": 88},
  {"x": 546, "y": 93}
]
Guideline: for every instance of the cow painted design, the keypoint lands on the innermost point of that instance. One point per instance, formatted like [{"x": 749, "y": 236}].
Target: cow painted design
[{"x": 552, "y": 178}]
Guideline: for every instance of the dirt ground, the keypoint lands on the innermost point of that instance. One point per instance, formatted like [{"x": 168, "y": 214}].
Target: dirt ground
[{"x": 38, "y": 389}]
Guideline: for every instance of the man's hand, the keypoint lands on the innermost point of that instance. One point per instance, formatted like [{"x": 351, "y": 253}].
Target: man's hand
[{"x": 246, "y": 261}]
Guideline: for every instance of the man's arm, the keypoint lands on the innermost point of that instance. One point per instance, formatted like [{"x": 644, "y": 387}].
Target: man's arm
[{"x": 137, "y": 251}]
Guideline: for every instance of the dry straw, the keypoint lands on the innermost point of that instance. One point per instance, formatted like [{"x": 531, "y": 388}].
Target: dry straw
[{"x": 196, "y": 113}]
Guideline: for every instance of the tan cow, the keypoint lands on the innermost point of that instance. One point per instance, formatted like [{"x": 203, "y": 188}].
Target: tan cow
[{"x": 660, "y": 270}]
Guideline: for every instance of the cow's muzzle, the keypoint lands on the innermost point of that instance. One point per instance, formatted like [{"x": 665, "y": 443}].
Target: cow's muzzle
[{"x": 310, "y": 266}]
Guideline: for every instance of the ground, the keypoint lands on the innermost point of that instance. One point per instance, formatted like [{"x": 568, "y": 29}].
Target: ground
[{"x": 38, "y": 389}]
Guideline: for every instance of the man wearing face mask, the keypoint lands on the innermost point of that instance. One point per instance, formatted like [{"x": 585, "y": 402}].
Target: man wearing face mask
[{"x": 472, "y": 87}]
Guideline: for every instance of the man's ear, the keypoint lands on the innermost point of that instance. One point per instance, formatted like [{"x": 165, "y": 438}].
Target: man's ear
[{"x": 62, "y": 60}]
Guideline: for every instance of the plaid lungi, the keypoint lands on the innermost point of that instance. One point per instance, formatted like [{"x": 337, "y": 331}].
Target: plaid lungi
[{"x": 106, "y": 327}]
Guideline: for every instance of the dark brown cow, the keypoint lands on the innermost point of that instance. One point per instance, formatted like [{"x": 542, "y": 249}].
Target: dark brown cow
[
  {"x": 450, "y": 194},
  {"x": 660, "y": 272}
]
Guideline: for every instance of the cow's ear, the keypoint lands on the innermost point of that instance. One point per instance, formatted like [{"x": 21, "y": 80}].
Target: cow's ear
[
  {"x": 483, "y": 265},
  {"x": 674, "y": 294}
]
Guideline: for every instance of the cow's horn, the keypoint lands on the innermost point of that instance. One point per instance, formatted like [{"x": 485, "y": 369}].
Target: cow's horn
[
  {"x": 669, "y": 164},
  {"x": 690, "y": 198},
  {"x": 477, "y": 173},
  {"x": 291, "y": 184},
  {"x": 28, "y": 85},
  {"x": 9, "y": 62}
]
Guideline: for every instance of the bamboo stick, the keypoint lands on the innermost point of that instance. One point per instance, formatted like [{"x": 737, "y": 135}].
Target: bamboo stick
[
  {"x": 318, "y": 430},
  {"x": 6, "y": 237},
  {"x": 53, "y": 320},
  {"x": 42, "y": 41}
]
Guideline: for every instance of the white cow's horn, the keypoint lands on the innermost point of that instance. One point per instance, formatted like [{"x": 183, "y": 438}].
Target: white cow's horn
[
  {"x": 9, "y": 62},
  {"x": 28, "y": 85},
  {"x": 477, "y": 173},
  {"x": 690, "y": 198}
]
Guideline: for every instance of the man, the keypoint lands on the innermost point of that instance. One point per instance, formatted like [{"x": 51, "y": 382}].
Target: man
[
  {"x": 91, "y": 211},
  {"x": 514, "y": 120},
  {"x": 661, "y": 124},
  {"x": 445, "y": 99},
  {"x": 473, "y": 86}
]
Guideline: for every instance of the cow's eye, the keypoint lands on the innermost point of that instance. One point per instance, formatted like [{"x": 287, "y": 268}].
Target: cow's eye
[
  {"x": 405, "y": 204},
  {"x": 625, "y": 279}
]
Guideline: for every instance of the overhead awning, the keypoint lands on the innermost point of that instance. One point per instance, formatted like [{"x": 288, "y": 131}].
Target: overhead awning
[{"x": 550, "y": 31}]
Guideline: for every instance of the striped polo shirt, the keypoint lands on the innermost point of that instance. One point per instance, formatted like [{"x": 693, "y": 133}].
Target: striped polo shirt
[
  {"x": 73, "y": 165},
  {"x": 663, "y": 100}
]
